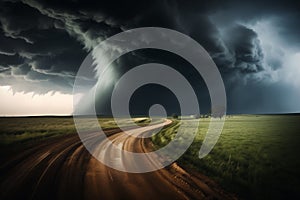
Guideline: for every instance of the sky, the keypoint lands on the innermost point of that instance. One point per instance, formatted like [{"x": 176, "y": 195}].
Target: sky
[
  {"x": 32, "y": 104},
  {"x": 255, "y": 44}
]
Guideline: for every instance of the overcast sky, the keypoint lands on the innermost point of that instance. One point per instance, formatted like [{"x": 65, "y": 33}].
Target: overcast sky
[{"x": 255, "y": 44}]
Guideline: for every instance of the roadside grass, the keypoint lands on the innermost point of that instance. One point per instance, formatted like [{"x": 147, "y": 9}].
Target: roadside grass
[
  {"x": 256, "y": 157},
  {"x": 18, "y": 130},
  {"x": 23, "y": 129}
]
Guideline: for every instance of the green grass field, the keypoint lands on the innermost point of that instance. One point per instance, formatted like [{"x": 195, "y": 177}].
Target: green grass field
[
  {"x": 256, "y": 157},
  {"x": 22, "y": 129},
  {"x": 18, "y": 130}
]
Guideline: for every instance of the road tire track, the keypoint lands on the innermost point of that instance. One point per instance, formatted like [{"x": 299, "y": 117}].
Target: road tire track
[{"x": 61, "y": 168}]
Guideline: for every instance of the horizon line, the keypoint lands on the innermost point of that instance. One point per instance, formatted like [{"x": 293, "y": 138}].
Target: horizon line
[{"x": 71, "y": 115}]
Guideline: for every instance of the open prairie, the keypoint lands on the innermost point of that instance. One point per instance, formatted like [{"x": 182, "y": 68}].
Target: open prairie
[{"x": 256, "y": 157}]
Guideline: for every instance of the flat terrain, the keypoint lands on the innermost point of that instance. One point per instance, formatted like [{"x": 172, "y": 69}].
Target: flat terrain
[
  {"x": 257, "y": 156},
  {"x": 61, "y": 168}
]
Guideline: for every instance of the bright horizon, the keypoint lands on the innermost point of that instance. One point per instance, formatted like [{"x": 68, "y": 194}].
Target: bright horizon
[{"x": 31, "y": 104}]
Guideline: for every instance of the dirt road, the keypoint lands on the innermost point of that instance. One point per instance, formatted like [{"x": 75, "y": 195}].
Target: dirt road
[{"x": 61, "y": 168}]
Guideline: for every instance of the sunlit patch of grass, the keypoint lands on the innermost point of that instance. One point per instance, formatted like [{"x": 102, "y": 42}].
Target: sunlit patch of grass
[
  {"x": 256, "y": 156},
  {"x": 18, "y": 130},
  {"x": 23, "y": 129}
]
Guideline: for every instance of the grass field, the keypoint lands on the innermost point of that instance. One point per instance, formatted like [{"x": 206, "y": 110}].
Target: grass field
[
  {"x": 16, "y": 130},
  {"x": 256, "y": 157}
]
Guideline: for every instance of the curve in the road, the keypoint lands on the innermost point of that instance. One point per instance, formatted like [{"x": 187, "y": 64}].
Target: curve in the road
[{"x": 61, "y": 168}]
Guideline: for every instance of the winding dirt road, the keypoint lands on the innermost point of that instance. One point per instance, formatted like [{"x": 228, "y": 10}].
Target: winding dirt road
[{"x": 61, "y": 168}]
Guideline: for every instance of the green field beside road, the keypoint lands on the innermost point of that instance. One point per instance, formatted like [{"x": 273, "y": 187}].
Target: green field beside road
[
  {"x": 257, "y": 156},
  {"x": 18, "y": 130}
]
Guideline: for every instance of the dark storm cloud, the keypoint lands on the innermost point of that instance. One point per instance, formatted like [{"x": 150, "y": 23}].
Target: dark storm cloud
[
  {"x": 8, "y": 60},
  {"x": 33, "y": 49},
  {"x": 17, "y": 18},
  {"x": 284, "y": 15},
  {"x": 244, "y": 45},
  {"x": 44, "y": 42},
  {"x": 52, "y": 37},
  {"x": 22, "y": 69}
]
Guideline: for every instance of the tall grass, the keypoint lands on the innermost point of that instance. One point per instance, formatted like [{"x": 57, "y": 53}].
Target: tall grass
[
  {"x": 28, "y": 129},
  {"x": 256, "y": 157}
]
